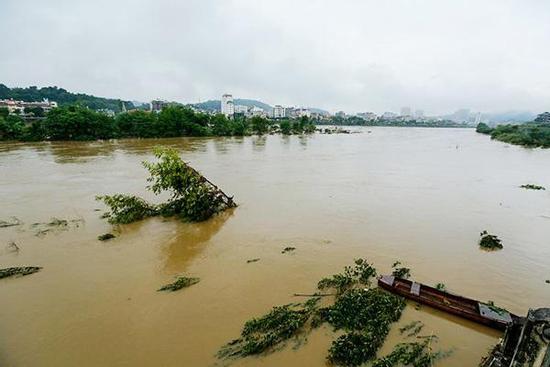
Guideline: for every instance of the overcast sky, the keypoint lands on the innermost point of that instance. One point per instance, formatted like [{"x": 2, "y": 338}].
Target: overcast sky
[{"x": 355, "y": 55}]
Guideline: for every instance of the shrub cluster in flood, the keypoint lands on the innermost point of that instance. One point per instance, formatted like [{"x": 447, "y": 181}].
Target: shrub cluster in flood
[
  {"x": 364, "y": 314},
  {"x": 18, "y": 271},
  {"x": 529, "y": 135},
  {"x": 192, "y": 196},
  {"x": 489, "y": 241},
  {"x": 181, "y": 282},
  {"x": 532, "y": 187}
]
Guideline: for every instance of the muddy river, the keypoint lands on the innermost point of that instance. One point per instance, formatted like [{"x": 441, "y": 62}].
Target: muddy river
[{"x": 421, "y": 196}]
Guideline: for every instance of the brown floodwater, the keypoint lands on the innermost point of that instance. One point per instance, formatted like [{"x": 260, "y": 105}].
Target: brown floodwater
[{"x": 421, "y": 196}]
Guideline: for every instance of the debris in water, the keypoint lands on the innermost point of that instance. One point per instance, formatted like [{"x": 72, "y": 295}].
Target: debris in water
[
  {"x": 106, "y": 236},
  {"x": 55, "y": 225},
  {"x": 252, "y": 260},
  {"x": 412, "y": 329},
  {"x": 532, "y": 187},
  {"x": 181, "y": 282},
  {"x": 192, "y": 196},
  {"x": 359, "y": 274},
  {"x": 18, "y": 271},
  {"x": 13, "y": 221},
  {"x": 418, "y": 354},
  {"x": 547, "y": 281},
  {"x": 400, "y": 272},
  {"x": 13, "y": 247},
  {"x": 262, "y": 334},
  {"x": 288, "y": 249},
  {"x": 489, "y": 241}
]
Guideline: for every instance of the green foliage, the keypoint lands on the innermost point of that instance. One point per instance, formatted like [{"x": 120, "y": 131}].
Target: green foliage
[
  {"x": 139, "y": 124},
  {"x": 412, "y": 329},
  {"x": 288, "y": 249},
  {"x": 417, "y": 354},
  {"x": 221, "y": 125},
  {"x": 61, "y": 96},
  {"x": 78, "y": 123},
  {"x": 358, "y": 274},
  {"x": 286, "y": 127},
  {"x": 192, "y": 196},
  {"x": 181, "y": 282},
  {"x": 400, "y": 272},
  {"x": 532, "y": 187},
  {"x": 440, "y": 287},
  {"x": 263, "y": 334},
  {"x": 18, "y": 271},
  {"x": 4, "y": 112},
  {"x": 367, "y": 314},
  {"x": 259, "y": 125},
  {"x": 12, "y": 128},
  {"x": 127, "y": 208},
  {"x": 529, "y": 135},
  {"x": 483, "y": 128},
  {"x": 489, "y": 241}
]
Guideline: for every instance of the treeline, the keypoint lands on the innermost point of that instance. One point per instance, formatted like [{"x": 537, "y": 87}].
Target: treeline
[
  {"x": 529, "y": 135},
  {"x": 62, "y": 97},
  {"x": 359, "y": 121},
  {"x": 76, "y": 122}
]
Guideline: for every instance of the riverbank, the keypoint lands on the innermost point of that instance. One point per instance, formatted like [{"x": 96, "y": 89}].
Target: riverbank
[{"x": 531, "y": 135}]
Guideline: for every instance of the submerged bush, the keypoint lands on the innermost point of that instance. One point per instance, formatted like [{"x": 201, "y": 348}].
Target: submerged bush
[
  {"x": 127, "y": 208},
  {"x": 192, "y": 196},
  {"x": 18, "y": 271},
  {"x": 417, "y": 354},
  {"x": 400, "y": 272},
  {"x": 532, "y": 187},
  {"x": 262, "y": 334},
  {"x": 489, "y": 241},
  {"x": 181, "y": 282},
  {"x": 361, "y": 273}
]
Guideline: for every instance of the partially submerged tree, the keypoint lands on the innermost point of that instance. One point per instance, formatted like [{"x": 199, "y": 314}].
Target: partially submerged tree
[{"x": 192, "y": 196}]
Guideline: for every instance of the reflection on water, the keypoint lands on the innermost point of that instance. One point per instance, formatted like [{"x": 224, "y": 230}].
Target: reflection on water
[{"x": 394, "y": 194}]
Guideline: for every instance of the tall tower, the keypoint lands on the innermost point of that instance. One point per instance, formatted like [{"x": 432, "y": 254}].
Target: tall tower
[{"x": 227, "y": 106}]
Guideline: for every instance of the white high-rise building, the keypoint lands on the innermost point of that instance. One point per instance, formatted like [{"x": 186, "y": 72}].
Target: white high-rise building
[
  {"x": 278, "y": 112},
  {"x": 227, "y": 107}
]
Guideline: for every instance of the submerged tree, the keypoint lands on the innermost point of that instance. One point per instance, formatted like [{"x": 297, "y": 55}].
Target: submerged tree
[{"x": 192, "y": 196}]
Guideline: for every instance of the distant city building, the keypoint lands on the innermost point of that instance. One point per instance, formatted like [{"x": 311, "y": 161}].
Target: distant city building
[
  {"x": 278, "y": 112},
  {"x": 368, "y": 116},
  {"x": 419, "y": 113},
  {"x": 239, "y": 108},
  {"x": 389, "y": 115},
  {"x": 461, "y": 115},
  {"x": 227, "y": 105},
  {"x": 405, "y": 111},
  {"x": 303, "y": 112},
  {"x": 107, "y": 111},
  {"x": 20, "y": 106},
  {"x": 257, "y": 111},
  {"x": 157, "y": 105}
]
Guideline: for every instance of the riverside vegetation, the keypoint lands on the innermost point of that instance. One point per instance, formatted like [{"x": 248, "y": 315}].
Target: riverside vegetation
[
  {"x": 192, "y": 196},
  {"x": 75, "y": 122},
  {"x": 364, "y": 315},
  {"x": 533, "y": 135}
]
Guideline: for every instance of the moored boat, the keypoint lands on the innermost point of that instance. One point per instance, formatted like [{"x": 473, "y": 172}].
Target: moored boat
[{"x": 479, "y": 312}]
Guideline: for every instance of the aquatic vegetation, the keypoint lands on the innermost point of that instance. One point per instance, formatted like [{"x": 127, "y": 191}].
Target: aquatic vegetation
[
  {"x": 532, "y": 187},
  {"x": 13, "y": 221},
  {"x": 127, "y": 208},
  {"x": 400, "y": 272},
  {"x": 106, "y": 236},
  {"x": 440, "y": 287},
  {"x": 288, "y": 249},
  {"x": 252, "y": 260},
  {"x": 417, "y": 354},
  {"x": 547, "y": 281},
  {"x": 192, "y": 196},
  {"x": 364, "y": 314},
  {"x": 18, "y": 271},
  {"x": 361, "y": 273},
  {"x": 263, "y": 334},
  {"x": 181, "y": 282},
  {"x": 489, "y": 241},
  {"x": 412, "y": 329},
  {"x": 55, "y": 225}
]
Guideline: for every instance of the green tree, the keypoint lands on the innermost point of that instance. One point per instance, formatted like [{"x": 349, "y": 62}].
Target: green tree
[
  {"x": 79, "y": 123},
  {"x": 139, "y": 124},
  {"x": 286, "y": 127},
  {"x": 221, "y": 125},
  {"x": 36, "y": 111},
  {"x": 11, "y": 128},
  {"x": 4, "y": 112},
  {"x": 259, "y": 125}
]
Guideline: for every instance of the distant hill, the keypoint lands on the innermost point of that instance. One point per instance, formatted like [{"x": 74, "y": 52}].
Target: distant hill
[
  {"x": 215, "y": 104},
  {"x": 62, "y": 97}
]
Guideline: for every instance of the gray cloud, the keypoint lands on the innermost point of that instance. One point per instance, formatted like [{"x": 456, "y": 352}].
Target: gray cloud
[{"x": 356, "y": 55}]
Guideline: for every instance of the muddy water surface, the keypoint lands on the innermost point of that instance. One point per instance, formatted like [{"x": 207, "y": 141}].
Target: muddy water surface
[{"x": 416, "y": 195}]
